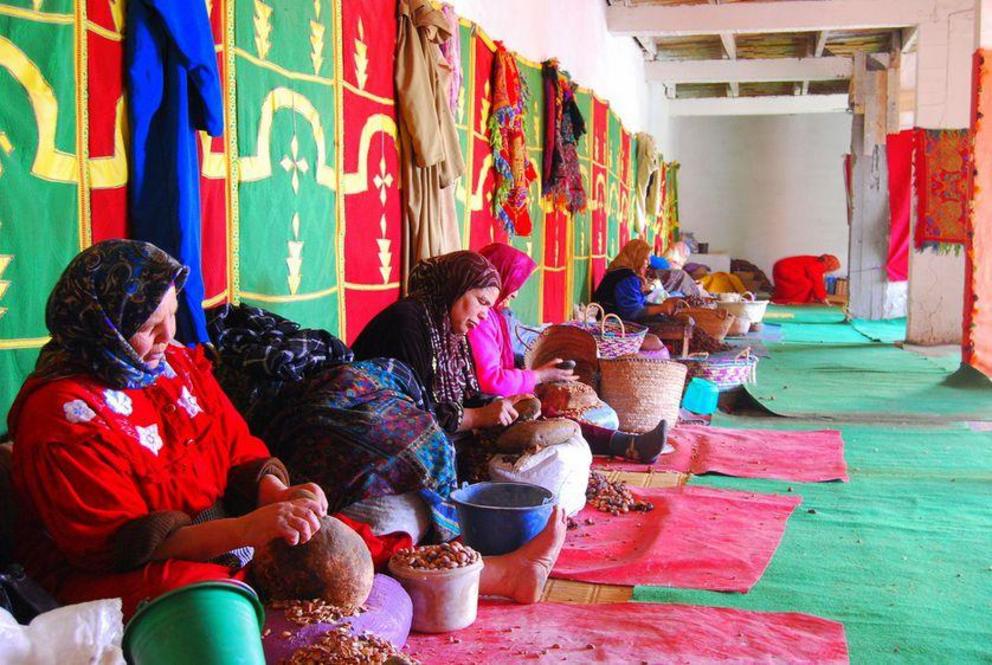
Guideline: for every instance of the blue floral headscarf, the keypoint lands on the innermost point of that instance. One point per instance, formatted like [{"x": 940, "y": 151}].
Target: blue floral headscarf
[{"x": 104, "y": 296}]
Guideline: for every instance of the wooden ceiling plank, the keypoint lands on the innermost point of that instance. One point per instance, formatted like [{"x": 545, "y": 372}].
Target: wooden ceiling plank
[
  {"x": 760, "y": 17},
  {"x": 727, "y": 71},
  {"x": 768, "y": 105},
  {"x": 729, "y": 45}
]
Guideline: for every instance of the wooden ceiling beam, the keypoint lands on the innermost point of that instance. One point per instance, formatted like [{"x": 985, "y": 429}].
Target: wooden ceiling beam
[
  {"x": 758, "y": 17},
  {"x": 770, "y": 105},
  {"x": 749, "y": 71},
  {"x": 816, "y": 51}
]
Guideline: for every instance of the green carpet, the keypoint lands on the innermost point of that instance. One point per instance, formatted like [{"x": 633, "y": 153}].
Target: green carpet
[
  {"x": 886, "y": 331},
  {"x": 902, "y": 555},
  {"x": 803, "y": 314},
  {"x": 864, "y": 382},
  {"x": 821, "y": 333}
]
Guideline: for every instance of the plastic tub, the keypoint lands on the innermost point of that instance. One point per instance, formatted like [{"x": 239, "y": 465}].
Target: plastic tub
[
  {"x": 701, "y": 396},
  {"x": 443, "y": 600},
  {"x": 219, "y": 623},
  {"x": 497, "y": 518}
]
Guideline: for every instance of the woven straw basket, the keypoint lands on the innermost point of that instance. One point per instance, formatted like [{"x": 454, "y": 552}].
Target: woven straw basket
[
  {"x": 568, "y": 343},
  {"x": 714, "y": 322},
  {"x": 614, "y": 338},
  {"x": 642, "y": 391}
]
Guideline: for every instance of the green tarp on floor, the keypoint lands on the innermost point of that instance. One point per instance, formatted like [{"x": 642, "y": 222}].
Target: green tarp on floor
[
  {"x": 886, "y": 331},
  {"x": 864, "y": 382},
  {"x": 821, "y": 333},
  {"x": 902, "y": 554},
  {"x": 803, "y": 314}
]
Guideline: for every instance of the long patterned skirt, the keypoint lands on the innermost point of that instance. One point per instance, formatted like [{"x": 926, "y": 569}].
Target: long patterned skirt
[{"x": 361, "y": 430}]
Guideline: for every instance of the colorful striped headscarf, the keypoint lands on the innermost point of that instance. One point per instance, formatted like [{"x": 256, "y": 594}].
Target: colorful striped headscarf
[
  {"x": 437, "y": 283},
  {"x": 101, "y": 300}
]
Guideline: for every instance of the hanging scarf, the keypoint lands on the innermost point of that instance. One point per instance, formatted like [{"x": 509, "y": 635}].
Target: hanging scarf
[
  {"x": 437, "y": 283},
  {"x": 514, "y": 171},
  {"x": 514, "y": 268},
  {"x": 104, "y": 296},
  {"x": 564, "y": 126},
  {"x": 451, "y": 49}
]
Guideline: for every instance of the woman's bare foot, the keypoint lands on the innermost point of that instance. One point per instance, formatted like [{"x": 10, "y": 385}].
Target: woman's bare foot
[{"x": 521, "y": 574}]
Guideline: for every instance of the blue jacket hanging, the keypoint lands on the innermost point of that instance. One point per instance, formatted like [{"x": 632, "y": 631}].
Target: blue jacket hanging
[{"x": 173, "y": 90}]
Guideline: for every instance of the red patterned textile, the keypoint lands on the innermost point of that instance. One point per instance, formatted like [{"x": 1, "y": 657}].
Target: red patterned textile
[
  {"x": 899, "y": 155},
  {"x": 105, "y": 106},
  {"x": 977, "y": 347},
  {"x": 372, "y": 216},
  {"x": 484, "y": 227},
  {"x": 600, "y": 132},
  {"x": 214, "y": 161},
  {"x": 943, "y": 184}
]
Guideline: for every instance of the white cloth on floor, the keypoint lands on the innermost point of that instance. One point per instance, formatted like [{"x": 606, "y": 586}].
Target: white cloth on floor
[
  {"x": 406, "y": 513},
  {"x": 83, "y": 634}
]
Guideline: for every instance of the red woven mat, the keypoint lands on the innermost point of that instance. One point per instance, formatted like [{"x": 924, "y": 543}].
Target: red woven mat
[
  {"x": 695, "y": 538},
  {"x": 633, "y": 633},
  {"x": 800, "y": 456}
]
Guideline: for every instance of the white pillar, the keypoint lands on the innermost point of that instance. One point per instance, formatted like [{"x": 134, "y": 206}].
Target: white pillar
[{"x": 943, "y": 101}]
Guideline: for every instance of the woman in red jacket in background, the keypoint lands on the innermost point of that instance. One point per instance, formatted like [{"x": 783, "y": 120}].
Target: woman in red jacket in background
[{"x": 799, "y": 279}]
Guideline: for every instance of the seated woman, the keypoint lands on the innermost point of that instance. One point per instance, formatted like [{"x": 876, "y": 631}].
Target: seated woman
[
  {"x": 492, "y": 355},
  {"x": 449, "y": 296},
  {"x": 800, "y": 279},
  {"x": 675, "y": 279},
  {"x": 128, "y": 457},
  {"x": 621, "y": 290}
]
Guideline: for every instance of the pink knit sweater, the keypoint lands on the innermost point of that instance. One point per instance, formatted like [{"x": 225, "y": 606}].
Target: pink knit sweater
[{"x": 493, "y": 356}]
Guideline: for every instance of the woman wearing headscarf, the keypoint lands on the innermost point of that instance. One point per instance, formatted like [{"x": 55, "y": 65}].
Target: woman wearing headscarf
[
  {"x": 800, "y": 279},
  {"x": 674, "y": 278},
  {"x": 491, "y": 341},
  {"x": 451, "y": 295},
  {"x": 493, "y": 357},
  {"x": 133, "y": 474},
  {"x": 621, "y": 291}
]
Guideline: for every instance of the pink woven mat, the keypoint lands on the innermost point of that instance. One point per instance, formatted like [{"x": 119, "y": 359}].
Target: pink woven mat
[
  {"x": 695, "y": 538},
  {"x": 633, "y": 633},
  {"x": 801, "y": 456}
]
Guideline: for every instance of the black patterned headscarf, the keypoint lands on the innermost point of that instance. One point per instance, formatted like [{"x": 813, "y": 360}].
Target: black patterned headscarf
[
  {"x": 437, "y": 283},
  {"x": 104, "y": 296}
]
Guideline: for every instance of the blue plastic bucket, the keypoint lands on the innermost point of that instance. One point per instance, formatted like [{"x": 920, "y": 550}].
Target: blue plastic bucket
[
  {"x": 701, "y": 396},
  {"x": 213, "y": 623},
  {"x": 497, "y": 518}
]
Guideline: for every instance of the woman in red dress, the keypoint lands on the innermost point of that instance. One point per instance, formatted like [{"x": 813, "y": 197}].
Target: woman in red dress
[
  {"x": 133, "y": 473},
  {"x": 799, "y": 279}
]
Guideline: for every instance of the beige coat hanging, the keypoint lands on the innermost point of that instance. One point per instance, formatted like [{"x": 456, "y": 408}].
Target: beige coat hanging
[{"x": 430, "y": 155}]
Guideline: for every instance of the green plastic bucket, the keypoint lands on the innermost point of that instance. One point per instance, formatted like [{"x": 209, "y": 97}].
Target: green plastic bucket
[{"x": 208, "y": 623}]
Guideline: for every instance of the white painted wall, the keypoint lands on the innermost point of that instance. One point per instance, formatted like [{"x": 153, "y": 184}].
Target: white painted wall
[
  {"x": 574, "y": 31},
  {"x": 764, "y": 187}
]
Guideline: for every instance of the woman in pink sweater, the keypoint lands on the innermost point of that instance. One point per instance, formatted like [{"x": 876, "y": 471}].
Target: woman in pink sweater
[
  {"x": 492, "y": 353},
  {"x": 492, "y": 346}
]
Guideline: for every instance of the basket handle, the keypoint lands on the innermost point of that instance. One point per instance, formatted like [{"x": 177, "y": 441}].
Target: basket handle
[
  {"x": 595, "y": 306},
  {"x": 602, "y": 325},
  {"x": 700, "y": 355},
  {"x": 748, "y": 296},
  {"x": 516, "y": 331},
  {"x": 745, "y": 354}
]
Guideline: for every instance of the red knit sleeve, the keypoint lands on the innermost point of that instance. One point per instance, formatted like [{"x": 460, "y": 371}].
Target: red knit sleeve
[
  {"x": 79, "y": 482},
  {"x": 242, "y": 444}
]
